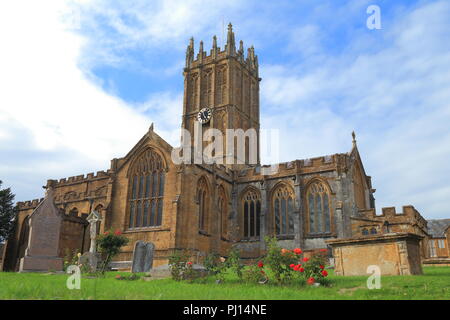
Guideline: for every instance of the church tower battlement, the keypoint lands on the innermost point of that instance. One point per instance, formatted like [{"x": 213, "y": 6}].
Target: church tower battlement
[{"x": 226, "y": 83}]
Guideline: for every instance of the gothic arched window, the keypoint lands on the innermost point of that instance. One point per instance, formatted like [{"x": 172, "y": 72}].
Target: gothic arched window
[
  {"x": 373, "y": 230},
  {"x": 251, "y": 209},
  {"x": 365, "y": 232},
  {"x": 318, "y": 213},
  {"x": 223, "y": 212},
  {"x": 283, "y": 209},
  {"x": 146, "y": 191},
  {"x": 203, "y": 204}
]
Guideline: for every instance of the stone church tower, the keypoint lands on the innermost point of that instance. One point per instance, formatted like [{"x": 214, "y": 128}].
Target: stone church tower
[
  {"x": 210, "y": 207},
  {"x": 226, "y": 84}
]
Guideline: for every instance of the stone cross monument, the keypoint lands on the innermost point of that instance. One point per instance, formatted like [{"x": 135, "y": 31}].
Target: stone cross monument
[
  {"x": 91, "y": 257},
  {"x": 93, "y": 218}
]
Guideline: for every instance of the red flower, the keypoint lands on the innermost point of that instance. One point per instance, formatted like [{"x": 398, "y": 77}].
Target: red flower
[
  {"x": 301, "y": 269},
  {"x": 118, "y": 232},
  {"x": 292, "y": 266},
  {"x": 321, "y": 267},
  {"x": 311, "y": 281},
  {"x": 260, "y": 264},
  {"x": 106, "y": 233},
  {"x": 189, "y": 263},
  {"x": 305, "y": 259},
  {"x": 118, "y": 276},
  {"x": 323, "y": 250},
  {"x": 298, "y": 251},
  {"x": 297, "y": 267},
  {"x": 324, "y": 273}
]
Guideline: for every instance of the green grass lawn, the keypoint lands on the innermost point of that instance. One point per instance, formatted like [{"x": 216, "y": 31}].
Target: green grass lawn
[{"x": 434, "y": 284}]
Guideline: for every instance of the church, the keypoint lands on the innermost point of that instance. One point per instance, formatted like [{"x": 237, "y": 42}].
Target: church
[{"x": 209, "y": 207}]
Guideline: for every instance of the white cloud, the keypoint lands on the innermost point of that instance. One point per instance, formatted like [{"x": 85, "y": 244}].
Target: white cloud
[
  {"x": 154, "y": 24},
  {"x": 46, "y": 98}
]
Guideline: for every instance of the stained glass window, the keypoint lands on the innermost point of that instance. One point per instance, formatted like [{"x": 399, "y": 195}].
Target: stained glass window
[
  {"x": 318, "y": 204},
  {"x": 252, "y": 214},
  {"x": 146, "y": 190}
]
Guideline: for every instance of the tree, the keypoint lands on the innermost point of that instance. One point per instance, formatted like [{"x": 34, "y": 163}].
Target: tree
[{"x": 7, "y": 212}]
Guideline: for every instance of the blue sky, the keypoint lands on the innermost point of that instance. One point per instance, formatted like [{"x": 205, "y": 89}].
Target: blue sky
[{"x": 73, "y": 72}]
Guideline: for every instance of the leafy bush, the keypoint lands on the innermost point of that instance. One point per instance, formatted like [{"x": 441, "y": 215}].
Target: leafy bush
[
  {"x": 254, "y": 274},
  {"x": 211, "y": 263},
  {"x": 278, "y": 260},
  {"x": 70, "y": 258},
  {"x": 233, "y": 262},
  {"x": 109, "y": 244},
  {"x": 178, "y": 262},
  {"x": 313, "y": 269},
  {"x": 216, "y": 265}
]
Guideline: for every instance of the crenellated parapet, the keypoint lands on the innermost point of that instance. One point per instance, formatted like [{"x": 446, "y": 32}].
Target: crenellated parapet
[
  {"x": 390, "y": 216},
  {"x": 81, "y": 178},
  {"x": 31, "y": 204},
  {"x": 74, "y": 189},
  {"x": 336, "y": 162}
]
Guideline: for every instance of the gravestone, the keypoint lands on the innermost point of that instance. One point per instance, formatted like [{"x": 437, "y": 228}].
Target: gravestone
[
  {"x": 142, "y": 256},
  {"x": 43, "y": 242}
]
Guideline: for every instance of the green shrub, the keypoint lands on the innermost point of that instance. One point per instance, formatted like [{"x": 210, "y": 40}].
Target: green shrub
[
  {"x": 216, "y": 265},
  {"x": 70, "y": 258},
  {"x": 234, "y": 262},
  {"x": 178, "y": 262},
  {"x": 109, "y": 244},
  {"x": 278, "y": 260},
  {"x": 314, "y": 269},
  {"x": 254, "y": 274}
]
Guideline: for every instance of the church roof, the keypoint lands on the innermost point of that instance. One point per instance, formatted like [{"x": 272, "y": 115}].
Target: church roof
[{"x": 437, "y": 227}]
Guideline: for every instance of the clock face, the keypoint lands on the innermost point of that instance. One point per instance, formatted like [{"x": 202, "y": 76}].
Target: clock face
[{"x": 204, "y": 115}]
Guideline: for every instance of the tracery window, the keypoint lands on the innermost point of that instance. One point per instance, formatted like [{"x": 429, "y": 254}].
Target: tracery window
[
  {"x": 283, "y": 209},
  {"x": 251, "y": 208},
  {"x": 146, "y": 191},
  {"x": 365, "y": 232},
  {"x": 203, "y": 204},
  {"x": 318, "y": 202},
  {"x": 373, "y": 230}
]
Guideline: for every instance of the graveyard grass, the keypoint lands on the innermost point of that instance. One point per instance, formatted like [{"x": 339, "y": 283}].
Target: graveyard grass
[{"x": 434, "y": 284}]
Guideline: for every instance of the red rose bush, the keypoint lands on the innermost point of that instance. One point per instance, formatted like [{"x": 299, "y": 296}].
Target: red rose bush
[{"x": 288, "y": 264}]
